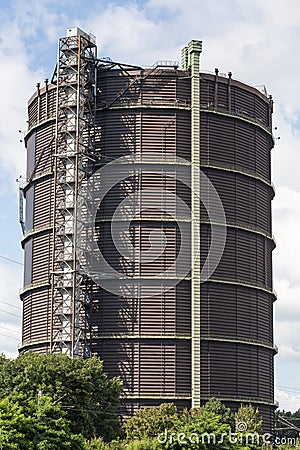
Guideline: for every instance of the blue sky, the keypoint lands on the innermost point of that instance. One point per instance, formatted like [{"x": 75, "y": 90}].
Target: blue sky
[{"x": 257, "y": 40}]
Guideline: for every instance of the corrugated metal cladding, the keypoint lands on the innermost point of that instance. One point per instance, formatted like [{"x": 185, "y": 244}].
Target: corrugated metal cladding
[{"x": 146, "y": 339}]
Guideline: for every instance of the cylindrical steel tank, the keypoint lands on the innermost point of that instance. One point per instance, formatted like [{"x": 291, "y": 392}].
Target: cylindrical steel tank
[
  {"x": 37, "y": 241},
  {"x": 142, "y": 330}
]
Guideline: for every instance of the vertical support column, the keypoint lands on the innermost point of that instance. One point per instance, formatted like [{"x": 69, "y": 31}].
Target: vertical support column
[
  {"x": 38, "y": 102},
  {"x": 47, "y": 99},
  {"x": 194, "y": 49},
  {"x": 229, "y": 91},
  {"x": 75, "y": 123},
  {"x": 216, "y": 101}
]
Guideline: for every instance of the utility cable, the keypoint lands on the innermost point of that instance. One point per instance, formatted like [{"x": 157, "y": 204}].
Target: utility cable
[
  {"x": 10, "y": 313},
  {"x": 9, "y": 329},
  {"x": 10, "y": 337},
  {"x": 9, "y": 304},
  {"x": 11, "y": 260}
]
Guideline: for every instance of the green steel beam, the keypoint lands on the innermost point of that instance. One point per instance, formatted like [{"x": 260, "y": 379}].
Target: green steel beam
[{"x": 191, "y": 57}]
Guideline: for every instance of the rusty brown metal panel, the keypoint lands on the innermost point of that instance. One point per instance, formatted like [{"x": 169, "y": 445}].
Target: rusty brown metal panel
[
  {"x": 43, "y": 207},
  {"x": 40, "y": 258}
]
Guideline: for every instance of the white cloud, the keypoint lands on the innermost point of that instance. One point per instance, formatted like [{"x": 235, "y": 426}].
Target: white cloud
[
  {"x": 10, "y": 312},
  {"x": 17, "y": 83},
  {"x": 288, "y": 400},
  {"x": 286, "y": 214}
]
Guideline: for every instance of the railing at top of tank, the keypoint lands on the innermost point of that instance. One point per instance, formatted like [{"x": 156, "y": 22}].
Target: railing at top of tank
[
  {"x": 260, "y": 88},
  {"x": 165, "y": 64}
]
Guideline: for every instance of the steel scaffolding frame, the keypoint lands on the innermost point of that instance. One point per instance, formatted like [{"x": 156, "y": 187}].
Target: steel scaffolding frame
[{"x": 71, "y": 289}]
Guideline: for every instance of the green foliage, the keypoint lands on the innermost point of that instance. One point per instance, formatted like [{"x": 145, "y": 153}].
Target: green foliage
[
  {"x": 87, "y": 395},
  {"x": 39, "y": 426},
  {"x": 14, "y": 426},
  {"x": 208, "y": 427},
  {"x": 292, "y": 418},
  {"x": 149, "y": 422},
  {"x": 96, "y": 444},
  {"x": 144, "y": 444},
  {"x": 288, "y": 446},
  {"x": 204, "y": 430},
  {"x": 249, "y": 417},
  {"x": 216, "y": 407}
]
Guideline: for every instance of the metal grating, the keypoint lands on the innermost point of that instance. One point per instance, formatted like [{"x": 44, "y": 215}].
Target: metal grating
[{"x": 75, "y": 133}]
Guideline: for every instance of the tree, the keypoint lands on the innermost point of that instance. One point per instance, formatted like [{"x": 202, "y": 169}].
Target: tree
[
  {"x": 163, "y": 427},
  {"x": 200, "y": 429},
  {"x": 40, "y": 426},
  {"x": 144, "y": 444},
  {"x": 248, "y": 419},
  {"x": 149, "y": 422},
  {"x": 89, "y": 398},
  {"x": 215, "y": 406},
  {"x": 288, "y": 424}
]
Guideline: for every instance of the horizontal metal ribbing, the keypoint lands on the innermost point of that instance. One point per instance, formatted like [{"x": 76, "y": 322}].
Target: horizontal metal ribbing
[
  {"x": 37, "y": 125},
  {"x": 33, "y": 343},
  {"x": 162, "y": 159},
  {"x": 243, "y": 227},
  {"x": 237, "y": 115},
  {"x": 244, "y": 284},
  {"x": 142, "y": 277},
  {"x": 35, "y": 232},
  {"x": 144, "y": 218},
  {"x": 37, "y": 177},
  {"x": 237, "y": 340},
  {"x": 116, "y": 218},
  {"x": 156, "y": 397},
  {"x": 140, "y": 336},
  {"x": 239, "y": 170},
  {"x": 174, "y": 105},
  {"x": 33, "y": 287},
  {"x": 142, "y": 104},
  {"x": 240, "y": 399}
]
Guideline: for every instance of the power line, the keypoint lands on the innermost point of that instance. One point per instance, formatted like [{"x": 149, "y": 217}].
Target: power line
[
  {"x": 13, "y": 306},
  {"x": 289, "y": 388},
  {"x": 9, "y": 329},
  {"x": 11, "y": 337},
  {"x": 12, "y": 314},
  {"x": 98, "y": 410},
  {"x": 11, "y": 260}
]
